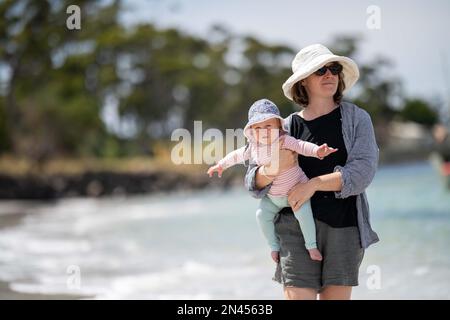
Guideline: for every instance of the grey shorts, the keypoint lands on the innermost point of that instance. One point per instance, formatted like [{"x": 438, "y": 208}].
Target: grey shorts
[{"x": 340, "y": 247}]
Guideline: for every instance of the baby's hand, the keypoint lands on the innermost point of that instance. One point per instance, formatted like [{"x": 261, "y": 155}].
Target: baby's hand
[
  {"x": 324, "y": 150},
  {"x": 217, "y": 168}
]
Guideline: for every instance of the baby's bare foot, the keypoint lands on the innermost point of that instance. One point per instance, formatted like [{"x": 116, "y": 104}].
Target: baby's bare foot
[
  {"x": 275, "y": 256},
  {"x": 315, "y": 254}
]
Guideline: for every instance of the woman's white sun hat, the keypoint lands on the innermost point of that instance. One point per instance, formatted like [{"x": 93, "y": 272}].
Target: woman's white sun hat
[{"x": 314, "y": 57}]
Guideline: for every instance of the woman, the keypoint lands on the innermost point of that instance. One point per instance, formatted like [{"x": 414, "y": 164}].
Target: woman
[{"x": 337, "y": 184}]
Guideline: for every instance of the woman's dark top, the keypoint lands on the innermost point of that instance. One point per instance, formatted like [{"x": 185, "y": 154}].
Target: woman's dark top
[{"x": 337, "y": 213}]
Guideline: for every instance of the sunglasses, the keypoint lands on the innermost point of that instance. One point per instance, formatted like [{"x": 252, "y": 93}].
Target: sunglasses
[{"x": 335, "y": 69}]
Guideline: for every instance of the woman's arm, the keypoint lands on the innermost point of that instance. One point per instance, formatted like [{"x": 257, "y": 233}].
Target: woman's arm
[
  {"x": 253, "y": 182},
  {"x": 302, "y": 192},
  {"x": 262, "y": 177},
  {"x": 362, "y": 160},
  {"x": 327, "y": 182},
  {"x": 351, "y": 179}
]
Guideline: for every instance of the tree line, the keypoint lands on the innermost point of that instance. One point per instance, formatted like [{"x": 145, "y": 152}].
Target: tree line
[{"x": 59, "y": 86}]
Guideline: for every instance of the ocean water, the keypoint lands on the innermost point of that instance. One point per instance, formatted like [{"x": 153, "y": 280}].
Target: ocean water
[{"x": 206, "y": 244}]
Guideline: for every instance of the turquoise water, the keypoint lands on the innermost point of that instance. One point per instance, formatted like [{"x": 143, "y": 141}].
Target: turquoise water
[{"x": 206, "y": 245}]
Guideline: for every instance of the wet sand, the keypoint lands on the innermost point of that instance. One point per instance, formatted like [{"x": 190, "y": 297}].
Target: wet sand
[{"x": 7, "y": 294}]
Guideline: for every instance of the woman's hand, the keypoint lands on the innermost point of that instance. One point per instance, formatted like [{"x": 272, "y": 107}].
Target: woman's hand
[
  {"x": 301, "y": 193},
  {"x": 324, "y": 150},
  {"x": 216, "y": 168}
]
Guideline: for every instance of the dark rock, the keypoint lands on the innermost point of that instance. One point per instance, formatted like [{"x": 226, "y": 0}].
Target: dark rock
[{"x": 94, "y": 184}]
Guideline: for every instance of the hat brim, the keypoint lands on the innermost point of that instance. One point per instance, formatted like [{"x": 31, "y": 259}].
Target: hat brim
[
  {"x": 248, "y": 131},
  {"x": 350, "y": 71}
]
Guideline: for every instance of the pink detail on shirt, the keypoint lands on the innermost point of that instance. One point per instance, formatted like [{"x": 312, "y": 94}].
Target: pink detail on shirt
[{"x": 261, "y": 155}]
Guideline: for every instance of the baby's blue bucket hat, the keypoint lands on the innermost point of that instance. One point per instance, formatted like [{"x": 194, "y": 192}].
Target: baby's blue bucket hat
[{"x": 261, "y": 110}]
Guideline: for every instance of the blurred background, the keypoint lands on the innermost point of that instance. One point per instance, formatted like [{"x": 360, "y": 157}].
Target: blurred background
[{"x": 92, "y": 205}]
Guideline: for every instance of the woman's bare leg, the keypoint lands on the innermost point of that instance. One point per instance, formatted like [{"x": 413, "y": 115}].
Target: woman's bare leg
[
  {"x": 336, "y": 293},
  {"x": 294, "y": 293}
]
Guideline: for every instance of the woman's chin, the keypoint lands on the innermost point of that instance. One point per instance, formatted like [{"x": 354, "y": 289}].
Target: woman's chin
[
  {"x": 327, "y": 89},
  {"x": 327, "y": 93}
]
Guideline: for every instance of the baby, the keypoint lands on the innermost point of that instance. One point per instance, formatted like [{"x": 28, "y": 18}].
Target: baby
[{"x": 263, "y": 132}]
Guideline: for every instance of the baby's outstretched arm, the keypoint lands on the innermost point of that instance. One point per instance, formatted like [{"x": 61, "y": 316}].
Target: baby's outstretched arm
[
  {"x": 306, "y": 148},
  {"x": 237, "y": 156}
]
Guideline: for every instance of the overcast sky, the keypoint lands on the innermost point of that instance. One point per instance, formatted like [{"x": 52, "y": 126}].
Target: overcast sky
[{"x": 415, "y": 35}]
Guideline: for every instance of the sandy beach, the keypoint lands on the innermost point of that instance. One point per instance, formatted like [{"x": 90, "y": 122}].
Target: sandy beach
[{"x": 7, "y": 294}]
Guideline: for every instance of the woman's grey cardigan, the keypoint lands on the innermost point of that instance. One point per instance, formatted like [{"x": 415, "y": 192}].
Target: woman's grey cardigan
[{"x": 358, "y": 172}]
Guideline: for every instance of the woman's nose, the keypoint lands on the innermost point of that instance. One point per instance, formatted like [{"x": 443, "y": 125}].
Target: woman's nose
[{"x": 328, "y": 74}]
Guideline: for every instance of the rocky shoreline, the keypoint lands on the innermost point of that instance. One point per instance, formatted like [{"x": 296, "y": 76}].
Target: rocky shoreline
[{"x": 95, "y": 184}]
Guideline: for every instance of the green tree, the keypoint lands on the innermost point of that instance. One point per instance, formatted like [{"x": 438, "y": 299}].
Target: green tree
[
  {"x": 59, "y": 81},
  {"x": 418, "y": 110},
  {"x": 49, "y": 103}
]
